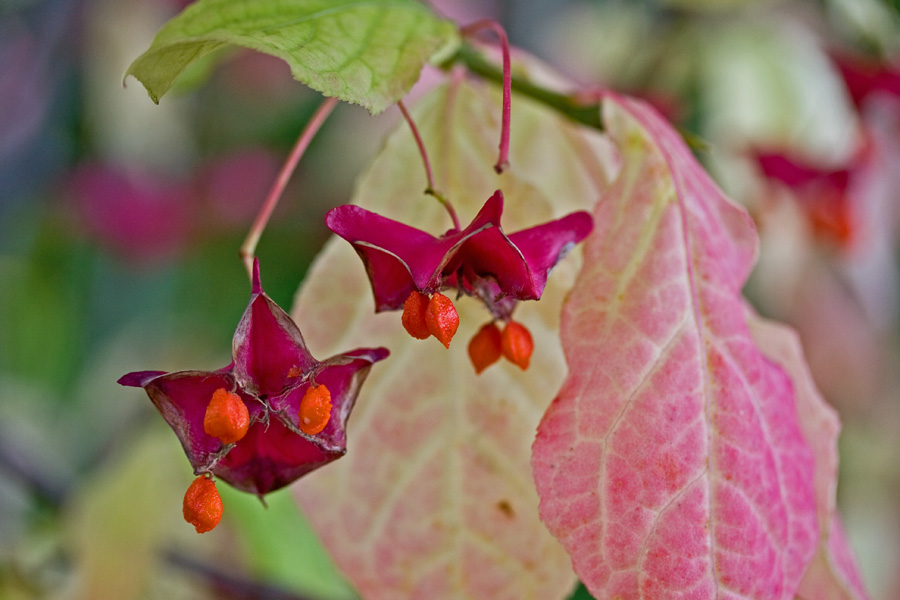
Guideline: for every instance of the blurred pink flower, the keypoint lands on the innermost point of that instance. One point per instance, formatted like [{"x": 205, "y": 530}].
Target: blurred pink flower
[
  {"x": 234, "y": 185},
  {"x": 867, "y": 78},
  {"x": 140, "y": 216},
  {"x": 821, "y": 193},
  {"x": 146, "y": 218}
]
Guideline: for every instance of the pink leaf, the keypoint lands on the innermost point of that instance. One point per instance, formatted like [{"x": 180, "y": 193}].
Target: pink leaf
[
  {"x": 833, "y": 574},
  {"x": 434, "y": 498},
  {"x": 671, "y": 463}
]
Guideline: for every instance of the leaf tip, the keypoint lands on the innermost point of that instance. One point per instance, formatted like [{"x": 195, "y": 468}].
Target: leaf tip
[{"x": 129, "y": 73}]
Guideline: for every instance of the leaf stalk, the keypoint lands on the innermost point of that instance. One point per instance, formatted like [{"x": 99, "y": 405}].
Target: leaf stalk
[
  {"x": 506, "y": 78},
  {"x": 430, "y": 190},
  {"x": 248, "y": 248}
]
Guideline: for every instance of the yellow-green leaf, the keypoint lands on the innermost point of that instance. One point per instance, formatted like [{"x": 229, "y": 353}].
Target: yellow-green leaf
[{"x": 367, "y": 52}]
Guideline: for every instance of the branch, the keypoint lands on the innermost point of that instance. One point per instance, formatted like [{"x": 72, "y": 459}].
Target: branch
[{"x": 586, "y": 112}]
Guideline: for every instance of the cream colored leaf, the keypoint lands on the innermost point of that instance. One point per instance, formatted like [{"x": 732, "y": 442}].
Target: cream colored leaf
[{"x": 435, "y": 498}]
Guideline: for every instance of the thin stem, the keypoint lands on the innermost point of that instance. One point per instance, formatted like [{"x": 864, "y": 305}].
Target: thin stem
[
  {"x": 503, "y": 159},
  {"x": 419, "y": 143},
  {"x": 248, "y": 249},
  {"x": 430, "y": 190}
]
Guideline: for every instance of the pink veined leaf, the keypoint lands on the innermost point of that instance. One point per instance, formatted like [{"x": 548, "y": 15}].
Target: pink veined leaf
[
  {"x": 833, "y": 573},
  {"x": 671, "y": 463},
  {"x": 434, "y": 498}
]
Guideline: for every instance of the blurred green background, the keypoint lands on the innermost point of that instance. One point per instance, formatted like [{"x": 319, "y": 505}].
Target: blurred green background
[{"x": 120, "y": 223}]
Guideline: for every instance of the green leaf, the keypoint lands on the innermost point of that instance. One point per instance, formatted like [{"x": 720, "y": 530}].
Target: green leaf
[
  {"x": 367, "y": 52},
  {"x": 281, "y": 547}
]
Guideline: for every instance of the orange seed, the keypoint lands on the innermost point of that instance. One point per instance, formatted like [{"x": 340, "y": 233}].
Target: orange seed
[
  {"x": 517, "y": 344},
  {"x": 202, "y": 505},
  {"x": 315, "y": 410},
  {"x": 441, "y": 319},
  {"x": 413, "y": 318},
  {"x": 227, "y": 417},
  {"x": 485, "y": 348}
]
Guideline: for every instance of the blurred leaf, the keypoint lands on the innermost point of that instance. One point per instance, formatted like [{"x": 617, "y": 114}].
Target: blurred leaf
[
  {"x": 713, "y": 5},
  {"x": 364, "y": 52},
  {"x": 752, "y": 96},
  {"x": 281, "y": 547},
  {"x": 435, "y": 497},
  {"x": 122, "y": 517},
  {"x": 42, "y": 304}
]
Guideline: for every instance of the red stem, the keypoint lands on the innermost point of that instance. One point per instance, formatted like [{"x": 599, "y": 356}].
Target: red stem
[
  {"x": 428, "y": 173},
  {"x": 248, "y": 249},
  {"x": 469, "y": 30}
]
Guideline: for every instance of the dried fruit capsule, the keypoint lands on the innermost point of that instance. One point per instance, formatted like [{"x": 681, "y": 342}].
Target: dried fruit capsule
[
  {"x": 315, "y": 410},
  {"x": 202, "y": 505},
  {"x": 517, "y": 344},
  {"x": 227, "y": 417},
  {"x": 441, "y": 319},
  {"x": 486, "y": 347},
  {"x": 413, "y": 318}
]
